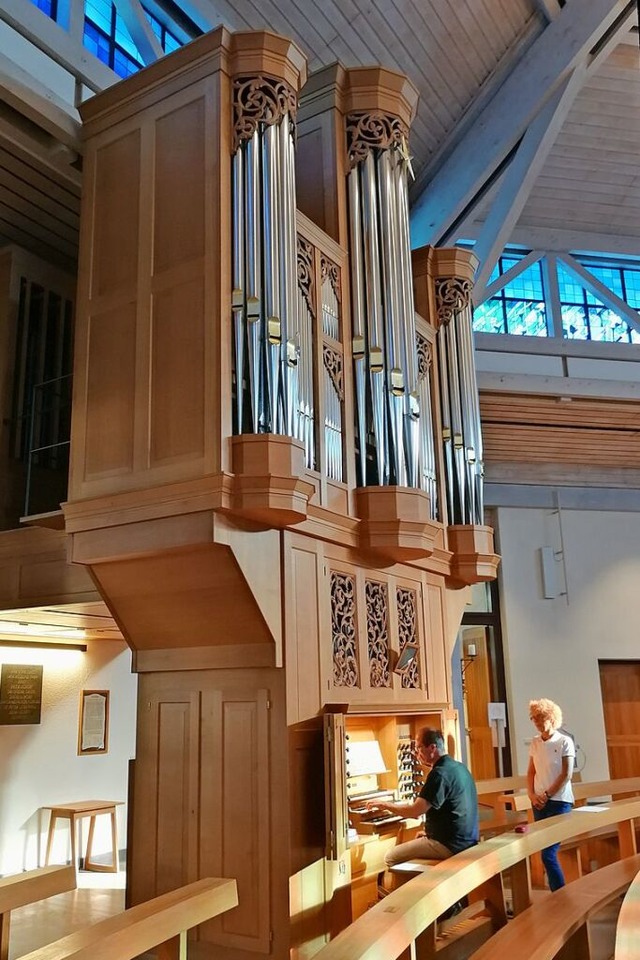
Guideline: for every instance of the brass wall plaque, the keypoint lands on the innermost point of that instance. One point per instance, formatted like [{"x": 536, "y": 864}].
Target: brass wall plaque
[{"x": 20, "y": 693}]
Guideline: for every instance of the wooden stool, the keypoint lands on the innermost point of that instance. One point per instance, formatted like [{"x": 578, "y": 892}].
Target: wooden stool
[{"x": 74, "y": 812}]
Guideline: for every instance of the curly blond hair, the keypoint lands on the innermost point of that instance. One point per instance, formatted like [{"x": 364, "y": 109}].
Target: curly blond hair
[{"x": 546, "y": 710}]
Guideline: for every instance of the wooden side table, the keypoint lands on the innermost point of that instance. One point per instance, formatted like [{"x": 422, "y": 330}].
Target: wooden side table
[{"x": 76, "y": 811}]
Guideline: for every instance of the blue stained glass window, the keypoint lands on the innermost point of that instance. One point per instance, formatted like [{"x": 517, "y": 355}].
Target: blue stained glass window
[
  {"x": 585, "y": 316},
  {"x": 106, "y": 35},
  {"x": 519, "y": 307},
  {"x": 632, "y": 287},
  {"x": 100, "y": 13},
  {"x": 124, "y": 41},
  {"x": 50, "y": 7}
]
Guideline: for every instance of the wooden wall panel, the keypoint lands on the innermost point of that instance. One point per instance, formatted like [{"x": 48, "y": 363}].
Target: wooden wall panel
[
  {"x": 116, "y": 215},
  {"x": 437, "y": 662},
  {"x": 245, "y": 818},
  {"x": 211, "y": 797},
  {"x": 311, "y": 188},
  {"x": 177, "y": 754},
  {"x": 302, "y": 628},
  {"x": 519, "y": 428},
  {"x": 177, "y": 378},
  {"x": 179, "y": 198},
  {"x": 110, "y": 392}
]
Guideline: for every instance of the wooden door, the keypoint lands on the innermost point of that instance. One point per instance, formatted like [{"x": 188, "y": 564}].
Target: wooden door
[
  {"x": 620, "y": 685},
  {"x": 477, "y": 690}
]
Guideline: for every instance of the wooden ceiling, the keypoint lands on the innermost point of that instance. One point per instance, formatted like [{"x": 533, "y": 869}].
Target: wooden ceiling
[
  {"x": 93, "y": 619},
  {"x": 458, "y": 55},
  {"x": 590, "y": 183},
  {"x": 455, "y": 53}
]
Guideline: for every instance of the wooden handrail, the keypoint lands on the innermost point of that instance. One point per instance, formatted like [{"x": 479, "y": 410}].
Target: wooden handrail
[
  {"x": 627, "y": 940},
  {"x": 29, "y": 887},
  {"x": 405, "y": 915},
  {"x": 141, "y": 928}
]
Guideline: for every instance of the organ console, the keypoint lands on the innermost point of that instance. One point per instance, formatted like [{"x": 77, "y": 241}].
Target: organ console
[{"x": 371, "y": 756}]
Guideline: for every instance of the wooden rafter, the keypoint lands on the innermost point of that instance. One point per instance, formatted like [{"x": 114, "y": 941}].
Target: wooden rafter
[{"x": 561, "y": 47}]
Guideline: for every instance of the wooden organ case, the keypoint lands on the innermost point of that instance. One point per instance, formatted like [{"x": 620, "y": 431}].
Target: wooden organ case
[{"x": 276, "y": 466}]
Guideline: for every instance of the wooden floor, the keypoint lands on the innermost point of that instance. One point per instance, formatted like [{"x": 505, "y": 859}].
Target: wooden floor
[{"x": 37, "y": 925}]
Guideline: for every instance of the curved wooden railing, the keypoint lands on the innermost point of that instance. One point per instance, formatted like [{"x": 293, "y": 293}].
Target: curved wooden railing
[
  {"x": 408, "y": 915},
  {"x": 628, "y": 926},
  {"x": 146, "y": 926},
  {"x": 558, "y": 922}
]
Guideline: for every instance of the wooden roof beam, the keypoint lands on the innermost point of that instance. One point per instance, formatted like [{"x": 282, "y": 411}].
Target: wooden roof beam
[
  {"x": 146, "y": 42},
  {"x": 562, "y": 46}
]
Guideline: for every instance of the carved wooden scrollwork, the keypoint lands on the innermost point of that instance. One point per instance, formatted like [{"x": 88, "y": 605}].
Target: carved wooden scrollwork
[
  {"x": 368, "y": 131},
  {"x": 377, "y": 633},
  {"x": 452, "y": 295},
  {"x": 425, "y": 356},
  {"x": 329, "y": 270},
  {"x": 333, "y": 366},
  {"x": 259, "y": 100},
  {"x": 346, "y": 672},
  {"x": 408, "y": 633},
  {"x": 306, "y": 281}
]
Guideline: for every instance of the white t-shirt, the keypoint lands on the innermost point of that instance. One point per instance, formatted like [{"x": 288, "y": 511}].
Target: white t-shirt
[{"x": 547, "y": 760}]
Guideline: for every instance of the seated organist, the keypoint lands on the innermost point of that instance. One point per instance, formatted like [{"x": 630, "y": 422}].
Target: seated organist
[{"x": 449, "y": 801}]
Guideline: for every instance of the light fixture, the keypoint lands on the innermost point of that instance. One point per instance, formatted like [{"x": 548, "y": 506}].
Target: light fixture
[
  {"x": 41, "y": 630},
  {"x": 43, "y": 644}
]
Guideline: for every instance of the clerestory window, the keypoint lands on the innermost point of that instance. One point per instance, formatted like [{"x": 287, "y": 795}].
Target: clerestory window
[
  {"x": 574, "y": 296},
  {"x": 107, "y": 37}
]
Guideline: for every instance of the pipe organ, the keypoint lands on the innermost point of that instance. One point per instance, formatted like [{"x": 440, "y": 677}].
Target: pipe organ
[{"x": 276, "y": 467}]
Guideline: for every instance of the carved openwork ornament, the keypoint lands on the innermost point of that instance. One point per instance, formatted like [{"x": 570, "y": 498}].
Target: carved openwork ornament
[
  {"x": 425, "y": 356},
  {"x": 333, "y": 366},
  {"x": 377, "y": 633},
  {"x": 329, "y": 270},
  {"x": 368, "y": 131},
  {"x": 306, "y": 282},
  {"x": 259, "y": 100},
  {"x": 343, "y": 630},
  {"x": 408, "y": 633},
  {"x": 453, "y": 294}
]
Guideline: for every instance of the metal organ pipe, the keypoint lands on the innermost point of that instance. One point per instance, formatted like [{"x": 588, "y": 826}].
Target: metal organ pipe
[
  {"x": 265, "y": 298},
  {"x": 462, "y": 438},
  {"x": 384, "y": 344}
]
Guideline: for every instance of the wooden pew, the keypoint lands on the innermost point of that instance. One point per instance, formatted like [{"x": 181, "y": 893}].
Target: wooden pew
[
  {"x": 581, "y": 791},
  {"x": 576, "y": 852},
  {"x": 159, "y": 923},
  {"x": 408, "y": 915},
  {"x": 628, "y": 926},
  {"x": 558, "y": 921},
  {"x": 29, "y": 887}
]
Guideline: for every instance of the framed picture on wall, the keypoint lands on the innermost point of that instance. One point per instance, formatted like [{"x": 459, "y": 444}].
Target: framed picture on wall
[{"x": 93, "y": 724}]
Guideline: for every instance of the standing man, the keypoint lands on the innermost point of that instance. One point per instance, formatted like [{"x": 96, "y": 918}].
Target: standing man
[{"x": 449, "y": 801}]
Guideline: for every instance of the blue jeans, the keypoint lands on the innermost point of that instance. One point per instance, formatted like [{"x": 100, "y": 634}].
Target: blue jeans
[{"x": 552, "y": 808}]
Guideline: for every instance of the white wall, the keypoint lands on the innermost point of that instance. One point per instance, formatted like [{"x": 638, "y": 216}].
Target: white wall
[
  {"x": 552, "y": 647},
  {"x": 39, "y": 763}
]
